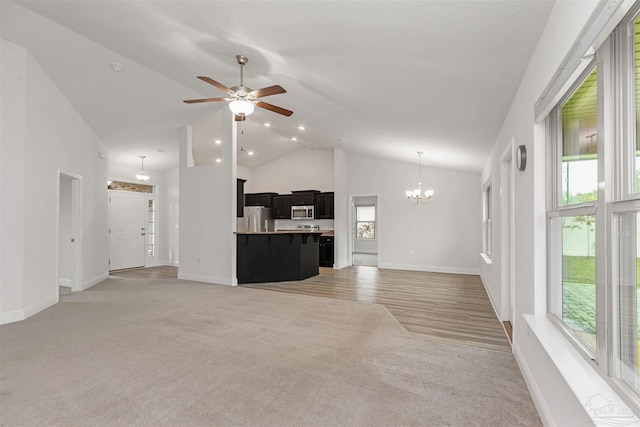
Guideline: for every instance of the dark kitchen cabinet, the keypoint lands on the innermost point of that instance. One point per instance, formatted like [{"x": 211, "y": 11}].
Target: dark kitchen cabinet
[
  {"x": 324, "y": 206},
  {"x": 275, "y": 257},
  {"x": 240, "y": 197},
  {"x": 326, "y": 251},
  {"x": 281, "y": 207},
  {"x": 259, "y": 199},
  {"x": 303, "y": 198}
]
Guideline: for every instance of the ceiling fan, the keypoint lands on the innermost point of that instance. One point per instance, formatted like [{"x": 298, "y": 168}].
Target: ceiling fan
[{"x": 242, "y": 99}]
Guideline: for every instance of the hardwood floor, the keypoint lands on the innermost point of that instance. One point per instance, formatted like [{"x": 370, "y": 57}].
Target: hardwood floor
[
  {"x": 160, "y": 272},
  {"x": 446, "y": 307},
  {"x": 434, "y": 306}
]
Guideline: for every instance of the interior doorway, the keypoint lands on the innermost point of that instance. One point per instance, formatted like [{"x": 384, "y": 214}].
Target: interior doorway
[
  {"x": 69, "y": 241},
  {"x": 365, "y": 231}
]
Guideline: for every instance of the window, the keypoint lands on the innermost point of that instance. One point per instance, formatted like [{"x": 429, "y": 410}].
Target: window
[
  {"x": 574, "y": 126},
  {"x": 486, "y": 219},
  {"x": 151, "y": 227},
  {"x": 593, "y": 209},
  {"x": 365, "y": 222},
  {"x": 626, "y": 218}
]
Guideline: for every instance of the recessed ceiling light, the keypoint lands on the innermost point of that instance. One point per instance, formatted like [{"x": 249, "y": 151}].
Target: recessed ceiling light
[
  {"x": 294, "y": 138},
  {"x": 301, "y": 127},
  {"x": 250, "y": 153},
  {"x": 267, "y": 124},
  {"x": 117, "y": 67},
  {"x": 217, "y": 141},
  {"x": 218, "y": 160}
]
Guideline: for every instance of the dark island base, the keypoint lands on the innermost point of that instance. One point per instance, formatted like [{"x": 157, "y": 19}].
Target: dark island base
[{"x": 277, "y": 257}]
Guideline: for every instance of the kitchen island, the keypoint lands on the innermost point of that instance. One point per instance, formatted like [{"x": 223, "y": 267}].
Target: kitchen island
[{"x": 277, "y": 256}]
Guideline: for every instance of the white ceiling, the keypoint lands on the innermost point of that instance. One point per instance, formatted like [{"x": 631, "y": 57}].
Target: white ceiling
[{"x": 378, "y": 78}]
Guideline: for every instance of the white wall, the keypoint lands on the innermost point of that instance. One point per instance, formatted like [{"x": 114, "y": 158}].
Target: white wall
[
  {"x": 208, "y": 208},
  {"x": 43, "y": 135},
  {"x": 341, "y": 209},
  {"x": 555, "y": 401},
  {"x": 170, "y": 211},
  {"x": 13, "y": 61},
  {"x": 301, "y": 170},
  {"x": 442, "y": 236}
]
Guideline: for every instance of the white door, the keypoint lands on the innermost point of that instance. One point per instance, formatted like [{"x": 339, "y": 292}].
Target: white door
[{"x": 127, "y": 229}]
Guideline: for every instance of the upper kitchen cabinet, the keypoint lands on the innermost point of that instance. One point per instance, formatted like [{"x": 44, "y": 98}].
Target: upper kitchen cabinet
[
  {"x": 259, "y": 199},
  {"x": 305, "y": 197},
  {"x": 281, "y": 206},
  {"x": 324, "y": 206}
]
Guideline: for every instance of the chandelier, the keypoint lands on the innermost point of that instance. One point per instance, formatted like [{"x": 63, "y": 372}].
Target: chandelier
[
  {"x": 142, "y": 176},
  {"x": 416, "y": 195}
]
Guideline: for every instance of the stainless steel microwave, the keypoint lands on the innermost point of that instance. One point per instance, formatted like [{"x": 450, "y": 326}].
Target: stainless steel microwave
[{"x": 301, "y": 212}]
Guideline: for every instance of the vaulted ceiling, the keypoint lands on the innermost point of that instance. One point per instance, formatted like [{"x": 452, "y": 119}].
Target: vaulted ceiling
[{"x": 379, "y": 78}]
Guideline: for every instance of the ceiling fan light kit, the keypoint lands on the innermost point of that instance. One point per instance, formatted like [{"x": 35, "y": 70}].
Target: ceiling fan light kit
[
  {"x": 241, "y": 107},
  {"x": 243, "y": 100}
]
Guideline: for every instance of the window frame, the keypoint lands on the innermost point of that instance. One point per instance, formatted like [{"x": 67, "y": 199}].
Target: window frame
[
  {"x": 556, "y": 212},
  {"x": 375, "y": 214}
]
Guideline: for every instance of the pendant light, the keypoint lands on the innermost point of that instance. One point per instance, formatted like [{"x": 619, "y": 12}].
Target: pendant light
[{"x": 142, "y": 176}]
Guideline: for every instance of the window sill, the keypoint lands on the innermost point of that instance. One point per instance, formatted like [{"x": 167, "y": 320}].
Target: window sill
[
  {"x": 486, "y": 258},
  {"x": 580, "y": 376}
]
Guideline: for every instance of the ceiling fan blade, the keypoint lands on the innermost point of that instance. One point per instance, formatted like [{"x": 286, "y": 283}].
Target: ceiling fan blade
[
  {"x": 274, "y": 108},
  {"x": 266, "y": 91},
  {"x": 193, "y": 101},
  {"x": 239, "y": 118},
  {"x": 216, "y": 84}
]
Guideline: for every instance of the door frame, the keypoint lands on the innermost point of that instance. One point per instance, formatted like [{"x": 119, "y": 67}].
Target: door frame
[
  {"x": 76, "y": 230},
  {"x": 352, "y": 225},
  {"x": 507, "y": 233}
]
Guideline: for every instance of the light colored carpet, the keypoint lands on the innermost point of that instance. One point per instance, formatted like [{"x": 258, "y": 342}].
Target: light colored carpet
[{"x": 173, "y": 353}]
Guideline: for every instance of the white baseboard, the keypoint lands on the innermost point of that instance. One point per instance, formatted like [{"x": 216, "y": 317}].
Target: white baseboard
[
  {"x": 493, "y": 305},
  {"x": 208, "y": 279},
  {"x": 93, "y": 281},
  {"x": 42, "y": 305},
  {"x": 433, "y": 269},
  {"x": 65, "y": 282},
  {"x": 170, "y": 263},
  {"x": 12, "y": 316},
  {"x": 536, "y": 395}
]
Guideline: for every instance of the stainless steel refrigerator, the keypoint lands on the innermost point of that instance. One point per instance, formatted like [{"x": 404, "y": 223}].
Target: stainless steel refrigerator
[{"x": 257, "y": 219}]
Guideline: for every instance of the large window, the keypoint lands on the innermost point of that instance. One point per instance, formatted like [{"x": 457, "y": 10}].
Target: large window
[{"x": 594, "y": 210}]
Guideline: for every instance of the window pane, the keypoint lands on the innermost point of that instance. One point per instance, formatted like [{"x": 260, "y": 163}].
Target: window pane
[
  {"x": 637, "y": 80},
  {"x": 365, "y": 213},
  {"x": 628, "y": 265},
  {"x": 579, "y": 277},
  {"x": 580, "y": 144},
  {"x": 365, "y": 230}
]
